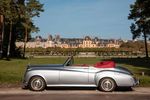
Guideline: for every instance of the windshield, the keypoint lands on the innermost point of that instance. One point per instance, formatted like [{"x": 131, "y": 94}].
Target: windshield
[{"x": 69, "y": 61}]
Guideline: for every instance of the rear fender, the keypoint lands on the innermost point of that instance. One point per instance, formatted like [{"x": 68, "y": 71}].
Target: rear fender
[{"x": 103, "y": 74}]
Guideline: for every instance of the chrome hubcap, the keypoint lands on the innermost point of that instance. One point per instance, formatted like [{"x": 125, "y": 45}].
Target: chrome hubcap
[
  {"x": 107, "y": 85},
  {"x": 37, "y": 84}
]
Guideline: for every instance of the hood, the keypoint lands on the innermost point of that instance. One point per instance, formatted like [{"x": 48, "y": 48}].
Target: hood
[{"x": 46, "y": 65}]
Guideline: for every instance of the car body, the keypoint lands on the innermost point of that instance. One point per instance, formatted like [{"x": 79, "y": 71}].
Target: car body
[{"x": 106, "y": 76}]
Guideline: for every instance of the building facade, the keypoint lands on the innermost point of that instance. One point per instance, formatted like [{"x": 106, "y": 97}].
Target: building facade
[{"x": 86, "y": 42}]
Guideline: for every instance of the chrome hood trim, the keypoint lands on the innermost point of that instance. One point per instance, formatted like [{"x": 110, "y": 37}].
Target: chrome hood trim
[{"x": 47, "y": 65}]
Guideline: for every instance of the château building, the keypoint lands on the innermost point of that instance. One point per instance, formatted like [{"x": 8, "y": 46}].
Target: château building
[{"x": 56, "y": 41}]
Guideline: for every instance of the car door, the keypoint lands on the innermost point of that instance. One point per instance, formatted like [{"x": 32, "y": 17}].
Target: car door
[
  {"x": 52, "y": 76},
  {"x": 74, "y": 75}
]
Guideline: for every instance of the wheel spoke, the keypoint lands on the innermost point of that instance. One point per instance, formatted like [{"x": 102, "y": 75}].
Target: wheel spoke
[
  {"x": 107, "y": 85},
  {"x": 37, "y": 84}
]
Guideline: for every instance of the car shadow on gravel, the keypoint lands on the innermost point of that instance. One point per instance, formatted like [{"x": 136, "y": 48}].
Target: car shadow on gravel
[
  {"x": 124, "y": 89},
  {"x": 120, "y": 89},
  {"x": 70, "y": 88}
]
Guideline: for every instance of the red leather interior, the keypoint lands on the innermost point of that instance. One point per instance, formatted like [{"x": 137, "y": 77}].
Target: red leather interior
[{"x": 105, "y": 64}]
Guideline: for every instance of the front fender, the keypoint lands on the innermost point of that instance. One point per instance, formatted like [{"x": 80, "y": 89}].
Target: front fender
[{"x": 33, "y": 73}]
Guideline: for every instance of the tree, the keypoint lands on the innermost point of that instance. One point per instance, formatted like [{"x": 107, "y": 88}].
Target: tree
[
  {"x": 141, "y": 26},
  {"x": 18, "y": 16},
  {"x": 134, "y": 45},
  {"x": 1, "y": 34},
  {"x": 9, "y": 12},
  {"x": 28, "y": 10}
]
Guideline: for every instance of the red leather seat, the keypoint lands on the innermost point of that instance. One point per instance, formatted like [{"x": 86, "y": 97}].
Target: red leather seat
[{"x": 105, "y": 64}]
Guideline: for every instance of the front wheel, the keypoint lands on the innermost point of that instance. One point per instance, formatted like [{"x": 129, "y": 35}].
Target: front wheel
[
  {"x": 37, "y": 83},
  {"x": 107, "y": 85}
]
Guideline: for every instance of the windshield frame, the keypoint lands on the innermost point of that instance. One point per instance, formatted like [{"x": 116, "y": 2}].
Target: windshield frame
[{"x": 69, "y": 61}]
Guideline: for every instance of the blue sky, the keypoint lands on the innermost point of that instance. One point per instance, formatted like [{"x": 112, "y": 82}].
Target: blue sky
[{"x": 78, "y": 18}]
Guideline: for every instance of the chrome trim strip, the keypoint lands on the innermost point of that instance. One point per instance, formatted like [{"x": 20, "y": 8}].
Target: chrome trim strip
[{"x": 71, "y": 85}]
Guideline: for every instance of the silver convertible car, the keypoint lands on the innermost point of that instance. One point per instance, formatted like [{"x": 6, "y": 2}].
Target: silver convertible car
[{"x": 106, "y": 76}]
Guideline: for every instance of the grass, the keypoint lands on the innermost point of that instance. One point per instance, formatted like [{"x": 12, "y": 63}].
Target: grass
[{"x": 11, "y": 72}]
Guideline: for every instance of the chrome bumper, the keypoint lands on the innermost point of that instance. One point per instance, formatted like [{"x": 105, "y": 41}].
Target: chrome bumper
[
  {"x": 24, "y": 85},
  {"x": 136, "y": 81}
]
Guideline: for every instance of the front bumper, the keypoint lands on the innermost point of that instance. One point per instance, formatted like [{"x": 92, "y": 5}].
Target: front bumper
[
  {"x": 24, "y": 85},
  {"x": 136, "y": 81}
]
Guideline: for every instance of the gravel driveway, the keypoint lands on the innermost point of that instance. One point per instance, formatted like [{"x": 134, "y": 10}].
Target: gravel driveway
[{"x": 137, "y": 90}]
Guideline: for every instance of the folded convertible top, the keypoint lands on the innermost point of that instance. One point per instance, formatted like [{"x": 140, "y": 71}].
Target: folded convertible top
[{"x": 105, "y": 64}]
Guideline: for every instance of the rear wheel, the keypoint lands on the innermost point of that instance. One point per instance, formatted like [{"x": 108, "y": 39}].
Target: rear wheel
[
  {"x": 37, "y": 83},
  {"x": 107, "y": 85}
]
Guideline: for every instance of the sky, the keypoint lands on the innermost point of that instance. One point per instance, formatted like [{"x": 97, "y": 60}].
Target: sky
[{"x": 79, "y": 18}]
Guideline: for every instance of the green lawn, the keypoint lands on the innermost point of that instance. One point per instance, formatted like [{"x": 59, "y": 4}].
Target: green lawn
[{"x": 11, "y": 72}]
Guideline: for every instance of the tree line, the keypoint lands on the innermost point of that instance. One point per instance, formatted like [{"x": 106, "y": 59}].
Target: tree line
[
  {"x": 131, "y": 48},
  {"x": 57, "y": 51}
]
